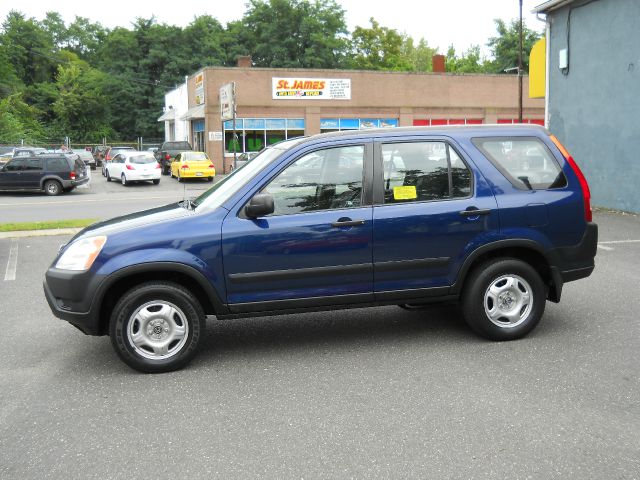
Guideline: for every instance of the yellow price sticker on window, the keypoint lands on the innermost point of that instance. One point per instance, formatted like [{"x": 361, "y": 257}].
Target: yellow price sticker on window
[{"x": 405, "y": 193}]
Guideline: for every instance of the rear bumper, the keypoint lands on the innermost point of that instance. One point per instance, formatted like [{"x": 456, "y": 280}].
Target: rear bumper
[
  {"x": 134, "y": 176},
  {"x": 573, "y": 263},
  {"x": 577, "y": 261},
  {"x": 197, "y": 173}
]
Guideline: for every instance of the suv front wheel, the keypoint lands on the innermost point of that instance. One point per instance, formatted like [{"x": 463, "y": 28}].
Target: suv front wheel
[
  {"x": 503, "y": 299},
  {"x": 157, "y": 327}
]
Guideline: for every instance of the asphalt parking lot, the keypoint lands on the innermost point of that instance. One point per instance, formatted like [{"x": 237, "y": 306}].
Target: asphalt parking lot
[
  {"x": 369, "y": 393},
  {"x": 100, "y": 199}
]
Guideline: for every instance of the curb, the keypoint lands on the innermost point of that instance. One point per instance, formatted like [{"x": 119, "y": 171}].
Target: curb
[{"x": 40, "y": 233}]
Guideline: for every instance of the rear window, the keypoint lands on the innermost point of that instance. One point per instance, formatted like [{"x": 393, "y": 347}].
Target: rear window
[
  {"x": 526, "y": 162},
  {"x": 146, "y": 158},
  {"x": 195, "y": 156},
  {"x": 176, "y": 146}
]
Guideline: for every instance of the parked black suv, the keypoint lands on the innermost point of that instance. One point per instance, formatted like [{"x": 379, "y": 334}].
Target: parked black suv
[{"x": 51, "y": 173}]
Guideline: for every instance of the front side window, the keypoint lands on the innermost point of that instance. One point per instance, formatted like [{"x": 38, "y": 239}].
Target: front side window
[
  {"x": 321, "y": 180},
  {"x": 423, "y": 171},
  {"x": 526, "y": 162},
  {"x": 15, "y": 165}
]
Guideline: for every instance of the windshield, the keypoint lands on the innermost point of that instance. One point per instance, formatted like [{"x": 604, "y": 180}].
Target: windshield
[{"x": 232, "y": 183}]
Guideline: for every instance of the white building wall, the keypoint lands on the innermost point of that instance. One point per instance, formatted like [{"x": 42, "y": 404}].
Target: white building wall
[{"x": 178, "y": 101}]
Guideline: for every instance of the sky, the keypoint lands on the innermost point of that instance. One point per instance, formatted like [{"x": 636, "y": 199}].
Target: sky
[{"x": 461, "y": 23}]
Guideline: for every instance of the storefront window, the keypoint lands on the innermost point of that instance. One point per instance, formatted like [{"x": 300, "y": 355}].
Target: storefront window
[
  {"x": 254, "y": 134},
  {"x": 338, "y": 124}
]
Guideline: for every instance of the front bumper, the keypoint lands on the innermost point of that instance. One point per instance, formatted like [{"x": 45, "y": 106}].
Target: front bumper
[{"x": 71, "y": 296}]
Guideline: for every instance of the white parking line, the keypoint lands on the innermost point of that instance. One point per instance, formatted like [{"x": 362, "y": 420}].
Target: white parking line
[
  {"x": 613, "y": 242},
  {"x": 605, "y": 248},
  {"x": 12, "y": 263},
  {"x": 102, "y": 200}
]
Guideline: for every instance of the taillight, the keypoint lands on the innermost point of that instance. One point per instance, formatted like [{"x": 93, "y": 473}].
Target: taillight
[
  {"x": 158, "y": 165},
  {"x": 167, "y": 157},
  {"x": 584, "y": 186},
  {"x": 211, "y": 166},
  {"x": 72, "y": 175},
  {"x": 130, "y": 167},
  {"x": 184, "y": 166}
]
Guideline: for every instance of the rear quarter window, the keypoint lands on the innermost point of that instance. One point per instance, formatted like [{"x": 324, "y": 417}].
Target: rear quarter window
[
  {"x": 525, "y": 161},
  {"x": 58, "y": 164}
]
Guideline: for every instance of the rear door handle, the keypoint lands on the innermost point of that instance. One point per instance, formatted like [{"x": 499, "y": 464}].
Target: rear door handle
[
  {"x": 347, "y": 223},
  {"x": 474, "y": 212}
]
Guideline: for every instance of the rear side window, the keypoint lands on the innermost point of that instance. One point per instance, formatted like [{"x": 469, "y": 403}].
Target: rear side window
[
  {"x": 423, "y": 171},
  {"x": 526, "y": 162},
  {"x": 57, "y": 164}
]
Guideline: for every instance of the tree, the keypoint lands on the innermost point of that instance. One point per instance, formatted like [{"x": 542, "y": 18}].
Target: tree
[
  {"x": 420, "y": 57},
  {"x": 468, "y": 62},
  {"x": 81, "y": 107},
  {"x": 379, "y": 48},
  {"x": 203, "y": 43},
  {"x": 295, "y": 33},
  {"x": 19, "y": 121},
  {"x": 505, "y": 46},
  {"x": 29, "y": 49}
]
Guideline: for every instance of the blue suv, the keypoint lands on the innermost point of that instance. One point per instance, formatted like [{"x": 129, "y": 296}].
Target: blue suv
[{"x": 497, "y": 218}]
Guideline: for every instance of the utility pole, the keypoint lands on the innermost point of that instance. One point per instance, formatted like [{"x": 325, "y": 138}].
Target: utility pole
[{"x": 520, "y": 70}]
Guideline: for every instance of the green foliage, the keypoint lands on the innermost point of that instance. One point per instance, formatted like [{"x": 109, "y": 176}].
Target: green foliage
[
  {"x": 468, "y": 62},
  {"x": 18, "y": 121},
  {"x": 504, "y": 47},
  {"x": 379, "y": 48},
  {"x": 81, "y": 105},
  {"x": 295, "y": 33}
]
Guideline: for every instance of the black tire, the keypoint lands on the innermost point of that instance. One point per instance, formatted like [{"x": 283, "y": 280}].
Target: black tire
[
  {"x": 209, "y": 179},
  {"x": 52, "y": 187},
  {"x": 126, "y": 324},
  {"x": 156, "y": 181},
  {"x": 107, "y": 175},
  {"x": 123, "y": 180},
  {"x": 478, "y": 305}
]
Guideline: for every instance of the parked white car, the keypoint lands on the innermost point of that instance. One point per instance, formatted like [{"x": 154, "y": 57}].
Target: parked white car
[{"x": 133, "y": 166}]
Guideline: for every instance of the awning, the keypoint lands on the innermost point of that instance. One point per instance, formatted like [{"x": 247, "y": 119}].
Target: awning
[
  {"x": 168, "y": 116},
  {"x": 193, "y": 113}
]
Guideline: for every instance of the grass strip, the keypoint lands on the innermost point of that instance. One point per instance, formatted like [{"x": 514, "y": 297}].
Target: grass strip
[{"x": 19, "y": 226}]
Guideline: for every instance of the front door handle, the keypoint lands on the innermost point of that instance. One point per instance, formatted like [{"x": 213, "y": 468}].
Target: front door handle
[
  {"x": 347, "y": 223},
  {"x": 474, "y": 212}
]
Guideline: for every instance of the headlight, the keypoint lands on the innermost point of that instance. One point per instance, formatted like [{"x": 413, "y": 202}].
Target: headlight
[{"x": 81, "y": 254}]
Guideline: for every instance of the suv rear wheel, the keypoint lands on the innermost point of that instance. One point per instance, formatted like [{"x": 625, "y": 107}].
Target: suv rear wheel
[
  {"x": 157, "y": 327},
  {"x": 52, "y": 187},
  {"x": 503, "y": 299}
]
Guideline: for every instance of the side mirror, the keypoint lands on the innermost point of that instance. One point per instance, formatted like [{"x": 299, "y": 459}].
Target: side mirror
[{"x": 259, "y": 206}]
